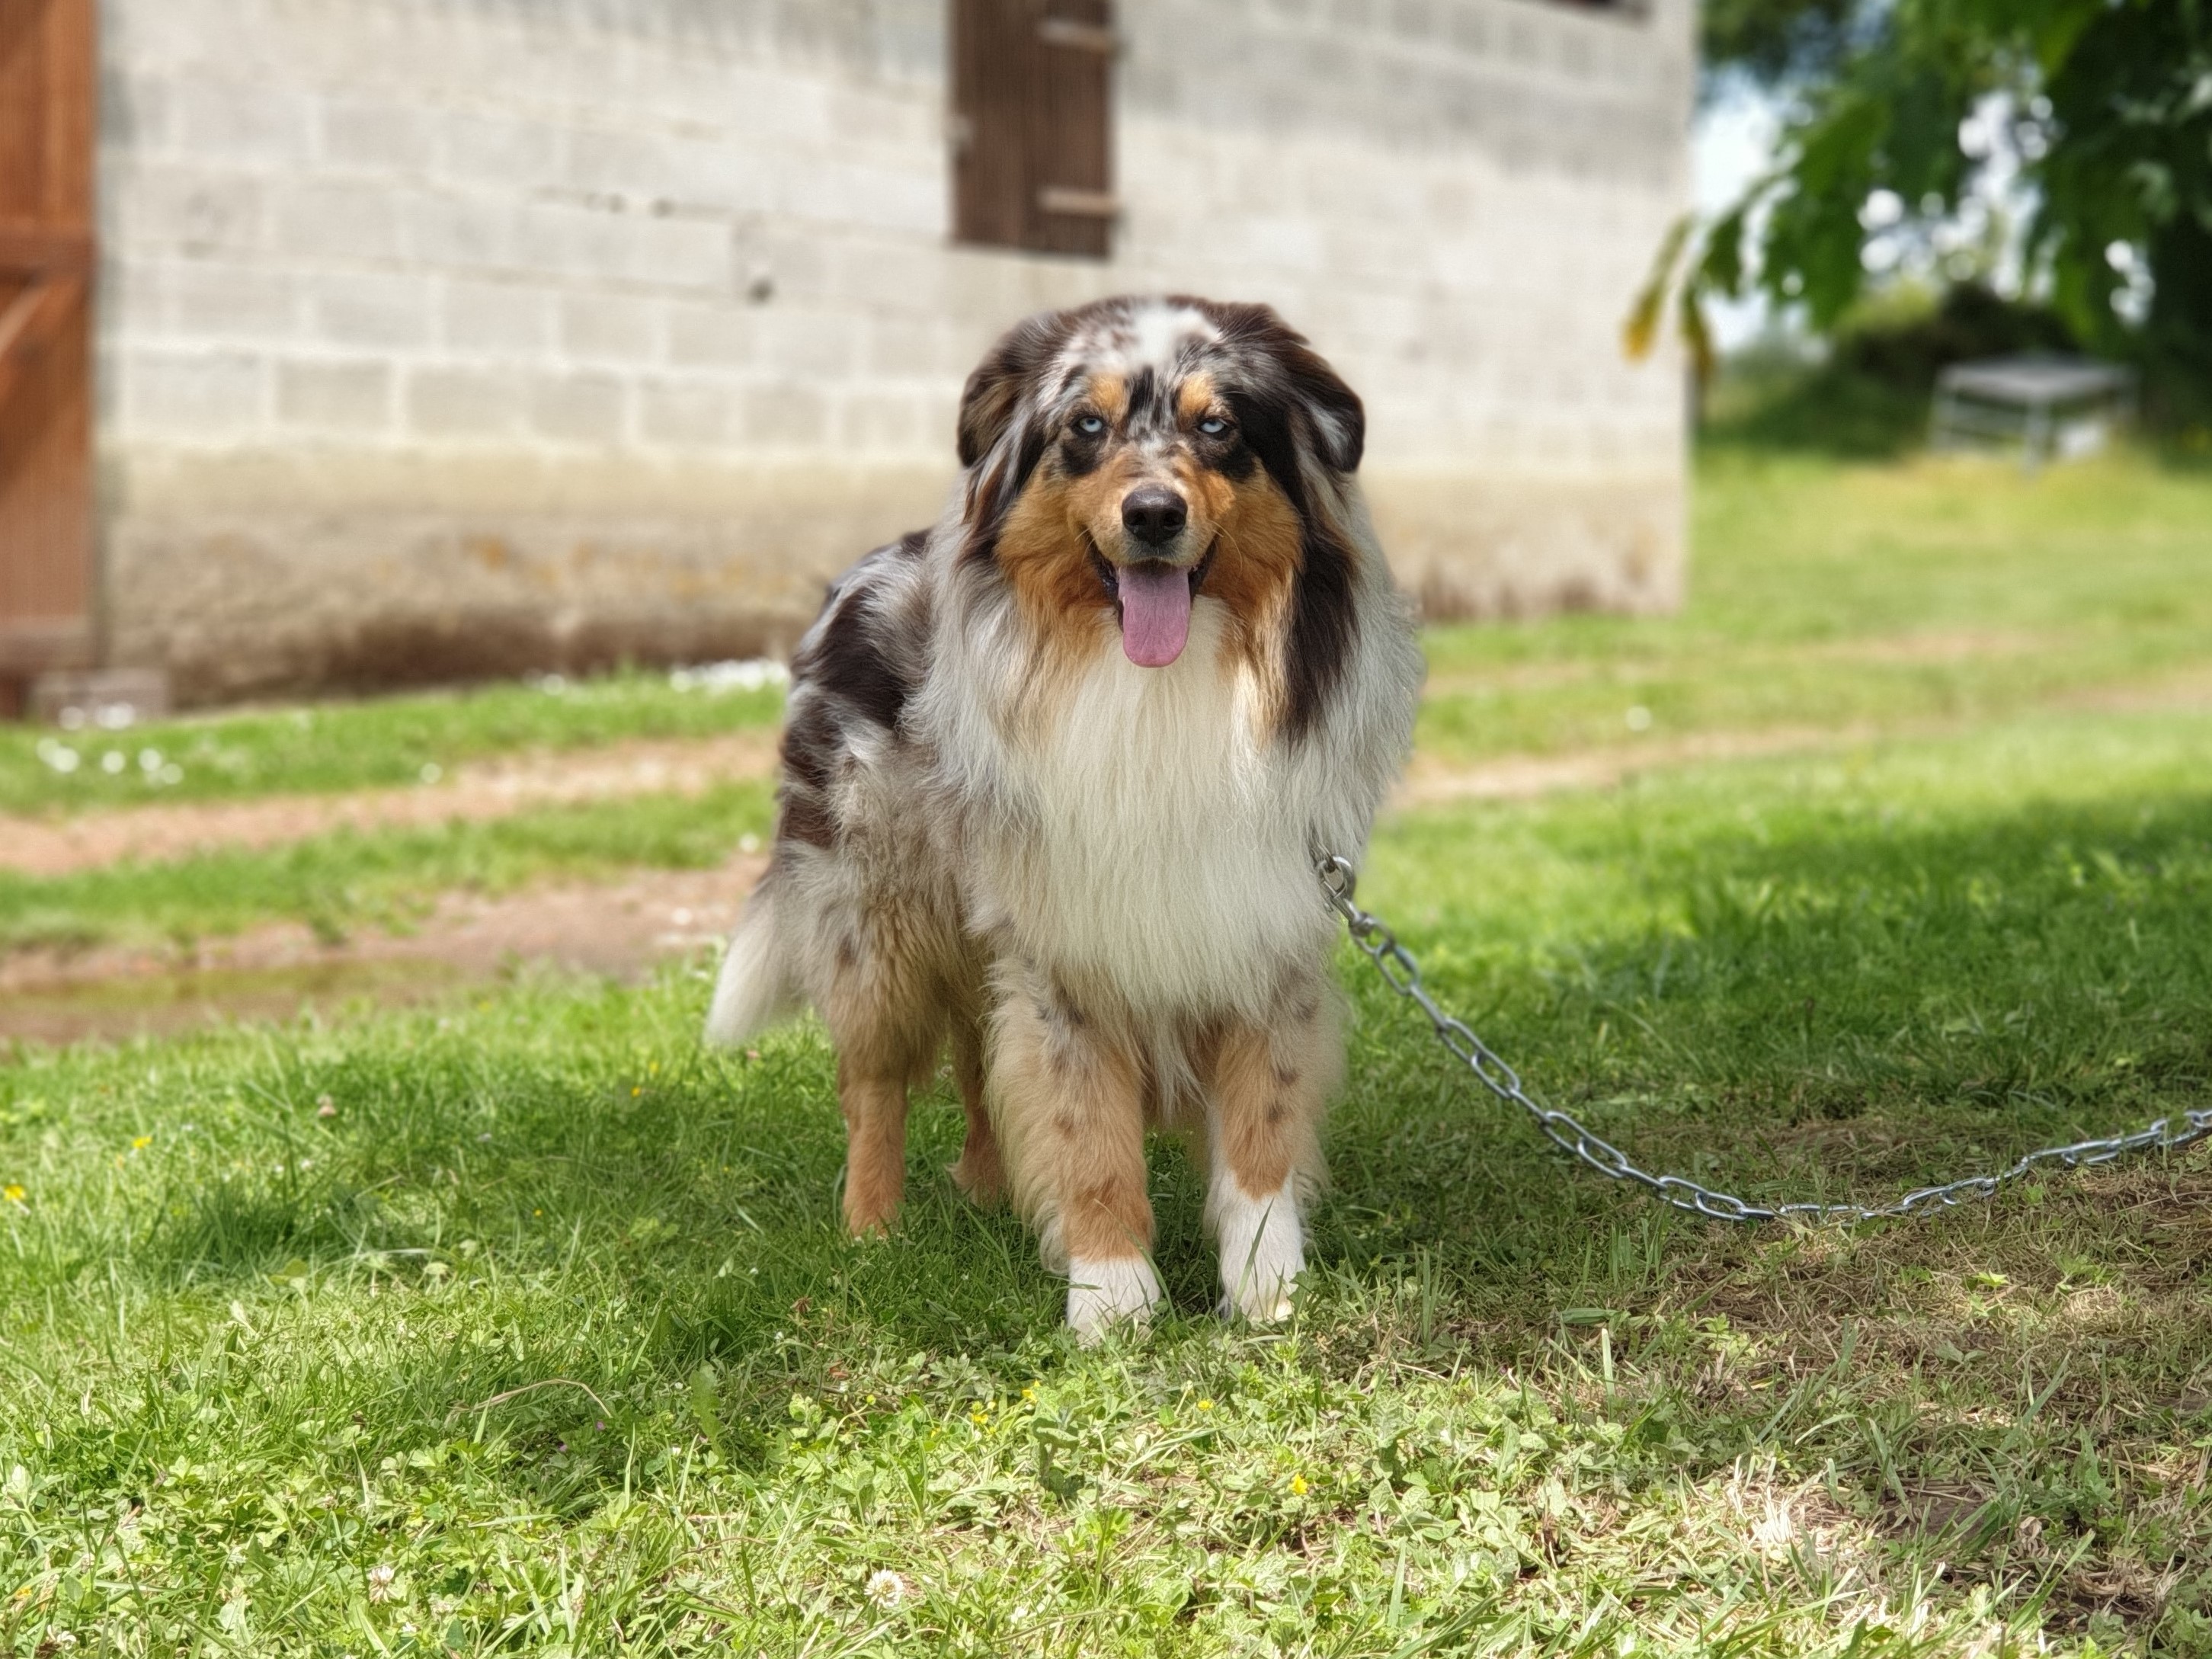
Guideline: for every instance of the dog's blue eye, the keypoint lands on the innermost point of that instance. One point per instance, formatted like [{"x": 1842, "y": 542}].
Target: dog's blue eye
[
  {"x": 1090, "y": 425},
  {"x": 1214, "y": 426}
]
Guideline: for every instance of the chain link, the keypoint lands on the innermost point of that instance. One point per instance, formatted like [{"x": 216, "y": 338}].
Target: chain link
[{"x": 1403, "y": 974}]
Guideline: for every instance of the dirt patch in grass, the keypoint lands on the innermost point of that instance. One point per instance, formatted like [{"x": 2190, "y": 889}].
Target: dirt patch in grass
[
  {"x": 1522, "y": 777},
  {"x": 2189, "y": 688},
  {"x": 483, "y": 790},
  {"x": 618, "y": 930},
  {"x": 42, "y": 846}
]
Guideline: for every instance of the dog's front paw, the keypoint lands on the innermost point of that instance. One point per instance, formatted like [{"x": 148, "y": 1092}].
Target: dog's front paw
[
  {"x": 1262, "y": 1251},
  {"x": 1101, "y": 1294}
]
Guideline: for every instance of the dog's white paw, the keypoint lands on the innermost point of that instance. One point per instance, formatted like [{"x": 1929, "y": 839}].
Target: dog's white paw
[
  {"x": 1104, "y": 1294},
  {"x": 1262, "y": 1249}
]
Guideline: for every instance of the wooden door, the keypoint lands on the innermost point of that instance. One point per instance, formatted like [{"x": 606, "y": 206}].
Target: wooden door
[
  {"x": 1032, "y": 128},
  {"x": 47, "y": 80}
]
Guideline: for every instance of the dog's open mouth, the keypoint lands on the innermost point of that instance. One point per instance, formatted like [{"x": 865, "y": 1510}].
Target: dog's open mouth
[{"x": 1154, "y": 598}]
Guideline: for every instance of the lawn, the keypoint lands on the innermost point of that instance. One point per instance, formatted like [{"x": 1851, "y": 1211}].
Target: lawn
[
  {"x": 1861, "y": 600},
  {"x": 386, "y": 741},
  {"x": 522, "y": 1325}
]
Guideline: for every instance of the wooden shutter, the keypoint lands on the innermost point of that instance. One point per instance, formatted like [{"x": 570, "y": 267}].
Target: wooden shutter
[
  {"x": 1032, "y": 124},
  {"x": 47, "y": 136}
]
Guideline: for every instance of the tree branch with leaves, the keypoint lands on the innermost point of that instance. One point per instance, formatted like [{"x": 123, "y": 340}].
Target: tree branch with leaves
[{"x": 2096, "y": 113}]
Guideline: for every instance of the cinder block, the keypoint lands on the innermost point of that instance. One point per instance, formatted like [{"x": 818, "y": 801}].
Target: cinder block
[
  {"x": 370, "y": 309},
  {"x": 809, "y": 343},
  {"x": 910, "y": 347},
  {"x": 500, "y": 151},
  {"x": 133, "y": 299},
  {"x": 644, "y": 168},
  {"x": 1414, "y": 20},
  {"x": 508, "y": 320},
  {"x": 453, "y": 232},
  {"x": 329, "y": 219},
  {"x": 335, "y": 397},
  {"x": 900, "y": 122},
  {"x": 777, "y": 98},
  {"x": 465, "y": 403},
  {"x": 727, "y": 335},
  {"x": 638, "y": 247},
  {"x": 613, "y": 328},
  {"x": 795, "y": 256},
  {"x": 178, "y": 205},
  {"x": 680, "y": 416},
  {"x": 134, "y": 112},
  {"x": 260, "y": 122},
  {"x": 887, "y": 422},
  {"x": 210, "y": 397},
  {"x": 580, "y": 408},
  {"x": 881, "y": 276},
  {"x": 912, "y": 199},
  {"x": 377, "y": 137},
  {"x": 784, "y": 415},
  {"x": 678, "y": 252},
  {"x": 231, "y": 301}
]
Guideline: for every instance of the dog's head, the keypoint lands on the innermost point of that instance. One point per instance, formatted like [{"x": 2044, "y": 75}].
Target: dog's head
[{"x": 1131, "y": 456}]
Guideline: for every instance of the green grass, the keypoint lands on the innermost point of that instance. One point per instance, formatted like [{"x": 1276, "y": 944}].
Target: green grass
[
  {"x": 524, "y": 1325},
  {"x": 354, "y": 745},
  {"x": 548, "y": 1314},
  {"x": 347, "y": 878},
  {"x": 1880, "y": 599},
  {"x": 1824, "y": 601}
]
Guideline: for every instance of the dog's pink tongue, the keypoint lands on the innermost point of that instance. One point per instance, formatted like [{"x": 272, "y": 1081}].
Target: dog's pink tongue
[{"x": 1155, "y": 613}]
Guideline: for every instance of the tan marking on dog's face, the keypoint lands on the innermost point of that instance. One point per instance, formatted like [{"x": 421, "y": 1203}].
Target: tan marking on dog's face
[
  {"x": 1196, "y": 398},
  {"x": 1069, "y": 517}
]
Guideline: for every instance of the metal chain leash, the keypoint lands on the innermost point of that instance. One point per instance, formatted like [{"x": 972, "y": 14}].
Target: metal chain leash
[{"x": 1403, "y": 974}]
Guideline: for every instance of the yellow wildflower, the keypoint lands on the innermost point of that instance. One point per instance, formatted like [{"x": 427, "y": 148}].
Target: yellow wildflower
[
  {"x": 1206, "y": 1405},
  {"x": 140, "y": 1143},
  {"x": 1298, "y": 1485},
  {"x": 13, "y": 1192}
]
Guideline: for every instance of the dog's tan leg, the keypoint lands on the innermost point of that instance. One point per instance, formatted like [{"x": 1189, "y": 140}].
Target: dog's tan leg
[
  {"x": 978, "y": 1173},
  {"x": 1269, "y": 1084},
  {"x": 886, "y": 1013},
  {"x": 1070, "y": 1094},
  {"x": 875, "y": 1102}
]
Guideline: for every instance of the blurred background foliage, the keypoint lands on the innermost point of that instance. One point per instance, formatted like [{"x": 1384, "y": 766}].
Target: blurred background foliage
[
  {"x": 1953, "y": 179},
  {"x": 1863, "y": 392}
]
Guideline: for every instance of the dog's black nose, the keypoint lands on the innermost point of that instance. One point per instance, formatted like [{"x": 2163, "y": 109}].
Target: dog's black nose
[{"x": 1154, "y": 515}]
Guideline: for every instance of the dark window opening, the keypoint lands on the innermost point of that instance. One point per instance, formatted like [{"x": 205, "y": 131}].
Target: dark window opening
[{"x": 1032, "y": 124}]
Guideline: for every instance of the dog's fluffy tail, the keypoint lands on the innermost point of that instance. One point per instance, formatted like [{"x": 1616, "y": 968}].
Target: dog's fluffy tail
[{"x": 755, "y": 988}]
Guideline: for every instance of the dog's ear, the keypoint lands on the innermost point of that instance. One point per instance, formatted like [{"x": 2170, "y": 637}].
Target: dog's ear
[
  {"x": 1300, "y": 390},
  {"x": 1334, "y": 415},
  {"x": 994, "y": 390}
]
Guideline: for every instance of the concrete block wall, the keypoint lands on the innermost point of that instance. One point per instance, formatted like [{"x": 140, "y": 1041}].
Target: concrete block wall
[{"x": 444, "y": 336}]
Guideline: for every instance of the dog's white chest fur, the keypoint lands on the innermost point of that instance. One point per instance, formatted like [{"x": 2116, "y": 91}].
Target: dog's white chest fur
[{"x": 1157, "y": 844}]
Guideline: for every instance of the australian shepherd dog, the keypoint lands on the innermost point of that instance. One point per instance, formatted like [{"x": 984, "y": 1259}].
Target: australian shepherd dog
[{"x": 1053, "y": 773}]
